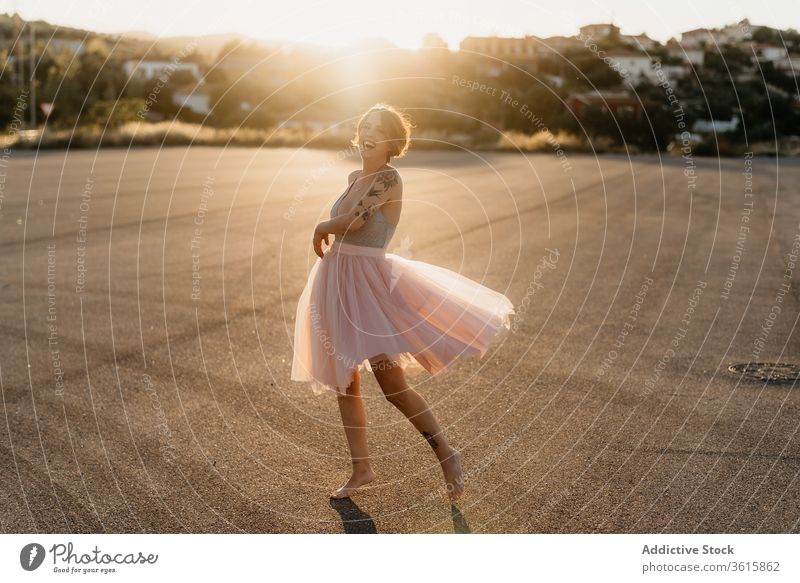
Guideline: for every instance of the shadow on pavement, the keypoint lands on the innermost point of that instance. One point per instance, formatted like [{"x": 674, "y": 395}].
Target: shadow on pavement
[
  {"x": 460, "y": 525},
  {"x": 354, "y": 520}
]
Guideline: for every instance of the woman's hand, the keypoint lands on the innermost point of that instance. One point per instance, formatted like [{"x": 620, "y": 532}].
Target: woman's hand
[{"x": 319, "y": 237}]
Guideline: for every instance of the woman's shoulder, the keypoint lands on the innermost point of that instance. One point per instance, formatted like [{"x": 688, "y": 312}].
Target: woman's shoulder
[
  {"x": 388, "y": 177},
  {"x": 392, "y": 171}
]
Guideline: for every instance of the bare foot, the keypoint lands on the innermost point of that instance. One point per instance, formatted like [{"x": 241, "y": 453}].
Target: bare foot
[
  {"x": 453, "y": 475},
  {"x": 358, "y": 479}
]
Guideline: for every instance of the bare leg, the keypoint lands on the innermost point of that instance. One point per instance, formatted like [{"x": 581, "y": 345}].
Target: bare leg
[
  {"x": 354, "y": 419},
  {"x": 393, "y": 383}
]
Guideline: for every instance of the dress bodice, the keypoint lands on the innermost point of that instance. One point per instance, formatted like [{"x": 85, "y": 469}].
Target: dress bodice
[{"x": 376, "y": 231}]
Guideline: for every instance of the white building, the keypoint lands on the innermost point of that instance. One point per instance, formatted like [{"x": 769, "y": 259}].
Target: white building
[
  {"x": 695, "y": 56},
  {"x": 697, "y": 38},
  {"x": 777, "y": 55},
  {"x": 641, "y": 42},
  {"x": 195, "y": 98},
  {"x": 151, "y": 69},
  {"x": 557, "y": 44},
  {"x": 630, "y": 64},
  {"x": 771, "y": 53},
  {"x": 730, "y": 34},
  {"x": 637, "y": 67}
]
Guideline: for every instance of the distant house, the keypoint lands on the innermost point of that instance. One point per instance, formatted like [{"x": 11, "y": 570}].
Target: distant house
[
  {"x": 195, "y": 98},
  {"x": 147, "y": 70},
  {"x": 778, "y": 55},
  {"x": 697, "y": 38},
  {"x": 599, "y": 31},
  {"x": 631, "y": 64},
  {"x": 638, "y": 67},
  {"x": 771, "y": 53},
  {"x": 735, "y": 33},
  {"x": 557, "y": 44},
  {"x": 615, "y": 102},
  {"x": 676, "y": 50},
  {"x": 730, "y": 34},
  {"x": 641, "y": 42}
]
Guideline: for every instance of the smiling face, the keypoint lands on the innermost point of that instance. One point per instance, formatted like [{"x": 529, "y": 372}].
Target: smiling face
[{"x": 373, "y": 143}]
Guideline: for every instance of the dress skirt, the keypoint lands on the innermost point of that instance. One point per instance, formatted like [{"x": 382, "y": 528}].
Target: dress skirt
[{"x": 361, "y": 302}]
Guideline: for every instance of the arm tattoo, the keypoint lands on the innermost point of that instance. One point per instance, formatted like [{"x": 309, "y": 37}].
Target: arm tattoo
[{"x": 376, "y": 195}]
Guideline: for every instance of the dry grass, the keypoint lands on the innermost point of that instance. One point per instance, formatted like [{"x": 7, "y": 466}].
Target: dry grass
[
  {"x": 175, "y": 133},
  {"x": 544, "y": 141},
  {"x": 168, "y": 133}
]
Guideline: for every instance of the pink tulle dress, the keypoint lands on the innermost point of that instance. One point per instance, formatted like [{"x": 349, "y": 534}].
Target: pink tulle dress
[{"x": 361, "y": 303}]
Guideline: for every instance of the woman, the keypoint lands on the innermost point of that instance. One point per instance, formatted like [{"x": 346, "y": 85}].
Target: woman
[{"x": 363, "y": 304}]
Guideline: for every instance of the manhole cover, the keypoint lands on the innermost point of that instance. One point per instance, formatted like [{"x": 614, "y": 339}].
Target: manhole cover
[{"x": 774, "y": 372}]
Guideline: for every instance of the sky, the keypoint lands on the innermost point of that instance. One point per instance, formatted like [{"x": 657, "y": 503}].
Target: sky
[{"x": 342, "y": 22}]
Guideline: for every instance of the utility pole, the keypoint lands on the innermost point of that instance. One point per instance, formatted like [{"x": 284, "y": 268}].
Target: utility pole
[
  {"x": 20, "y": 47},
  {"x": 31, "y": 50},
  {"x": 18, "y": 76}
]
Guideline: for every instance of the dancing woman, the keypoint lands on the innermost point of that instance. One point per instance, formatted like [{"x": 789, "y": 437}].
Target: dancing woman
[{"x": 362, "y": 304}]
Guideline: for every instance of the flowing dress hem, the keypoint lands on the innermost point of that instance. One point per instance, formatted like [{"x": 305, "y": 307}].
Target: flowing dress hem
[{"x": 412, "y": 367}]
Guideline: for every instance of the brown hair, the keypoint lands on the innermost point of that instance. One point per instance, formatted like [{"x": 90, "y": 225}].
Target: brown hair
[{"x": 396, "y": 125}]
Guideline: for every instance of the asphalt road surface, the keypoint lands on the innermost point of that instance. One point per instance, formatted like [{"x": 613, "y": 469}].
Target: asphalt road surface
[{"x": 148, "y": 301}]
